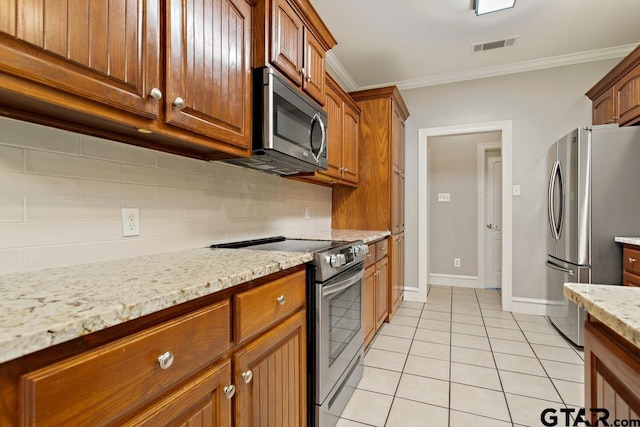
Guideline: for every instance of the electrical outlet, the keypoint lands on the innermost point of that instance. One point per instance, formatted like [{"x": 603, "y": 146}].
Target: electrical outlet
[
  {"x": 307, "y": 212},
  {"x": 456, "y": 262},
  {"x": 130, "y": 222}
]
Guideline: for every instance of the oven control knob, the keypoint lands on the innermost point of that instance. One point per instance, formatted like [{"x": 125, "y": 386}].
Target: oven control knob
[{"x": 337, "y": 260}]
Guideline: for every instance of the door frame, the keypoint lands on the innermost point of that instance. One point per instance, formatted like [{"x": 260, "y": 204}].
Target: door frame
[
  {"x": 482, "y": 175},
  {"x": 505, "y": 127}
]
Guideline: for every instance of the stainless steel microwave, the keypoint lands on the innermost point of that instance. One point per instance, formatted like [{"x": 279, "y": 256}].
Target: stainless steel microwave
[{"x": 289, "y": 128}]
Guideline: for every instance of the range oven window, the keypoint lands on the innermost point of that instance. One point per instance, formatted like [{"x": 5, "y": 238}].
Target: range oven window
[{"x": 344, "y": 318}]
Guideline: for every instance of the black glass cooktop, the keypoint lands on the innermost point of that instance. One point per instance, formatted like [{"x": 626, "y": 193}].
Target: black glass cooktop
[{"x": 280, "y": 243}]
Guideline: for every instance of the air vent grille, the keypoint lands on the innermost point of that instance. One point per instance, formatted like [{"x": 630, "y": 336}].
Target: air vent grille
[{"x": 497, "y": 44}]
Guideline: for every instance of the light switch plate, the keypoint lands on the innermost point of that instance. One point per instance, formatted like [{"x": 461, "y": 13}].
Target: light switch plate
[{"x": 444, "y": 197}]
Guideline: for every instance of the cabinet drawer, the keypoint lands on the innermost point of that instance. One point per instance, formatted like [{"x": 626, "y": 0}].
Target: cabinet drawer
[
  {"x": 99, "y": 386},
  {"x": 371, "y": 256},
  {"x": 631, "y": 259},
  {"x": 258, "y": 309},
  {"x": 382, "y": 249},
  {"x": 629, "y": 279}
]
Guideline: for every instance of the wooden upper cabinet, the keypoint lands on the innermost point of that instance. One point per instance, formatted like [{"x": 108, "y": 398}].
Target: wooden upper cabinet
[
  {"x": 290, "y": 35},
  {"x": 208, "y": 73},
  {"x": 287, "y": 34},
  {"x": 603, "y": 108},
  {"x": 314, "y": 66},
  {"x": 616, "y": 97},
  {"x": 107, "y": 51},
  {"x": 333, "y": 107},
  {"x": 350, "y": 160}
]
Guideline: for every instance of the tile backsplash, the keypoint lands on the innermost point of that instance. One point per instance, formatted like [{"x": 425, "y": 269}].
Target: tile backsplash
[{"x": 62, "y": 194}]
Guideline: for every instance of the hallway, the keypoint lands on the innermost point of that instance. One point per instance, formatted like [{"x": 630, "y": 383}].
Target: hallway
[{"x": 458, "y": 360}]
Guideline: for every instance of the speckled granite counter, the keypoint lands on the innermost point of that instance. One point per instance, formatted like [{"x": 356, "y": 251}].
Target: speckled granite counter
[
  {"x": 628, "y": 240},
  {"x": 366, "y": 236},
  {"x": 618, "y": 307},
  {"x": 42, "y": 308}
]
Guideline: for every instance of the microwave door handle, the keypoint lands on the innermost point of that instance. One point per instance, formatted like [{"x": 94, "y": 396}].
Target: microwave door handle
[
  {"x": 560, "y": 268},
  {"x": 316, "y": 118},
  {"x": 342, "y": 285}
]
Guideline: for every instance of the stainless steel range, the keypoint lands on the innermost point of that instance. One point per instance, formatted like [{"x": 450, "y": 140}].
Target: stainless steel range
[{"x": 335, "y": 336}]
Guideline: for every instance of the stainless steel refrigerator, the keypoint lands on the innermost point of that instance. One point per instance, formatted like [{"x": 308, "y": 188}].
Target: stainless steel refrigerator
[{"x": 593, "y": 196}]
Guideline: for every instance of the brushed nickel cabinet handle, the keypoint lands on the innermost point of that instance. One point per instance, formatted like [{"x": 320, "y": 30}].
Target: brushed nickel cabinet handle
[
  {"x": 179, "y": 103},
  {"x": 632, "y": 260},
  {"x": 155, "y": 93},
  {"x": 229, "y": 391},
  {"x": 247, "y": 376},
  {"x": 166, "y": 360},
  {"x": 281, "y": 300}
]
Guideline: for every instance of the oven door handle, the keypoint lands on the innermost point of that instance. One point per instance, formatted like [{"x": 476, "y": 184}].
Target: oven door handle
[{"x": 342, "y": 285}]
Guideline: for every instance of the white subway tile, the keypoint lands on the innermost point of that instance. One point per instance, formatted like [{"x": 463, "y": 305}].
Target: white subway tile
[
  {"x": 168, "y": 194},
  {"x": 20, "y": 184},
  {"x": 70, "y": 209},
  {"x": 28, "y": 135},
  {"x": 11, "y": 208},
  {"x": 203, "y": 182},
  {"x": 45, "y": 163},
  {"x": 150, "y": 210},
  {"x": 180, "y": 228},
  {"x": 11, "y": 261},
  {"x": 184, "y": 164},
  {"x": 106, "y": 149},
  {"x": 11, "y": 158},
  {"x": 59, "y": 256},
  {"x": 100, "y": 231},
  {"x": 227, "y": 171},
  {"x": 138, "y": 247},
  {"x": 25, "y": 234},
  {"x": 116, "y": 191},
  {"x": 147, "y": 175}
]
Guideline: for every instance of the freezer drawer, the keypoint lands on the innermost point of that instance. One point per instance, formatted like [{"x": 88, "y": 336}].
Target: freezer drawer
[{"x": 569, "y": 319}]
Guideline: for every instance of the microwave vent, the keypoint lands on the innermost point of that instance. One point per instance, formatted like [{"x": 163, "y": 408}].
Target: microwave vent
[{"x": 492, "y": 45}]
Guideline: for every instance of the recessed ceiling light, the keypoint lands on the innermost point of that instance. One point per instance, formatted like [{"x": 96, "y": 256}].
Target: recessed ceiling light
[{"x": 487, "y": 6}]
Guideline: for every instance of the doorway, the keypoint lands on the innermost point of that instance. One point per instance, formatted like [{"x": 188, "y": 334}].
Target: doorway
[
  {"x": 489, "y": 215},
  {"x": 505, "y": 127}
]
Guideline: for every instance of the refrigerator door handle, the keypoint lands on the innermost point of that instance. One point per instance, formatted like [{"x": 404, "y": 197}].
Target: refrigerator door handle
[
  {"x": 560, "y": 268},
  {"x": 556, "y": 226}
]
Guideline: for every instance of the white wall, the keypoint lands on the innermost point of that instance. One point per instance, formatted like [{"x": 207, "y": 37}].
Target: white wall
[
  {"x": 543, "y": 105},
  {"x": 61, "y": 196}
]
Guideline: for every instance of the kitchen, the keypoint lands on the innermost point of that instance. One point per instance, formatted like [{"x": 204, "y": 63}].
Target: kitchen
[{"x": 71, "y": 187}]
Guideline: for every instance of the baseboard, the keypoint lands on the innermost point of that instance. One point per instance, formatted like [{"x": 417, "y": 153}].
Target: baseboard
[
  {"x": 454, "y": 280},
  {"x": 414, "y": 294},
  {"x": 541, "y": 307}
]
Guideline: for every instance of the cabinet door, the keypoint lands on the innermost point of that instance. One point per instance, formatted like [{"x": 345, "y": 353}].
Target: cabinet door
[
  {"x": 397, "y": 141},
  {"x": 201, "y": 402},
  {"x": 287, "y": 40},
  {"x": 273, "y": 390},
  {"x": 382, "y": 291},
  {"x": 627, "y": 92},
  {"x": 350, "y": 144},
  {"x": 603, "y": 108},
  {"x": 208, "y": 74},
  {"x": 333, "y": 107},
  {"x": 369, "y": 304},
  {"x": 313, "y": 74},
  {"x": 397, "y": 273},
  {"x": 107, "y": 51}
]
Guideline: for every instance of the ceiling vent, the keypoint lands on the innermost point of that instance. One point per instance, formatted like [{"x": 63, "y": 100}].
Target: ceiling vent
[{"x": 498, "y": 44}]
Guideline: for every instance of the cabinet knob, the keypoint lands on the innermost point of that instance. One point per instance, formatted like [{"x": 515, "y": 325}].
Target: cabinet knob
[
  {"x": 632, "y": 260},
  {"x": 179, "y": 103},
  {"x": 229, "y": 391},
  {"x": 247, "y": 376},
  {"x": 166, "y": 360},
  {"x": 156, "y": 93},
  {"x": 281, "y": 300}
]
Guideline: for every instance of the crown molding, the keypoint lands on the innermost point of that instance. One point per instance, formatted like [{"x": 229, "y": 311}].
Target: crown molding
[
  {"x": 335, "y": 68},
  {"x": 517, "y": 67}
]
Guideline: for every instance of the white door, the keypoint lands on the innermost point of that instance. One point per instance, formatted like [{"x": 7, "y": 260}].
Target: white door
[{"x": 493, "y": 220}]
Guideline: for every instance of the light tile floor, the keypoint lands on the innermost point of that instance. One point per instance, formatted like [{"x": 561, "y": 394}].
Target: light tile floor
[{"x": 458, "y": 360}]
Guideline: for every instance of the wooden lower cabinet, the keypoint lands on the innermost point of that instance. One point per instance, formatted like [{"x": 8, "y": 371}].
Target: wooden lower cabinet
[
  {"x": 270, "y": 377},
  {"x": 396, "y": 288},
  {"x": 184, "y": 366},
  {"x": 612, "y": 373},
  {"x": 631, "y": 265},
  {"x": 376, "y": 290}
]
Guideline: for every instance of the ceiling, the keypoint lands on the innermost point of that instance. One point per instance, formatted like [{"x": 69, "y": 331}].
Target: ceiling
[{"x": 414, "y": 43}]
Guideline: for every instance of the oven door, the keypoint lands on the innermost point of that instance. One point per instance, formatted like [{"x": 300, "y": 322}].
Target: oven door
[{"x": 339, "y": 327}]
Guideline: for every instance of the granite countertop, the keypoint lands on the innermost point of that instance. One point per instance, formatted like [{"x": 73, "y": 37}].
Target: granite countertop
[
  {"x": 39, "y": 309},
  {"x": 618, "y": 307},
  {"x": 628, "y": 240}
]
